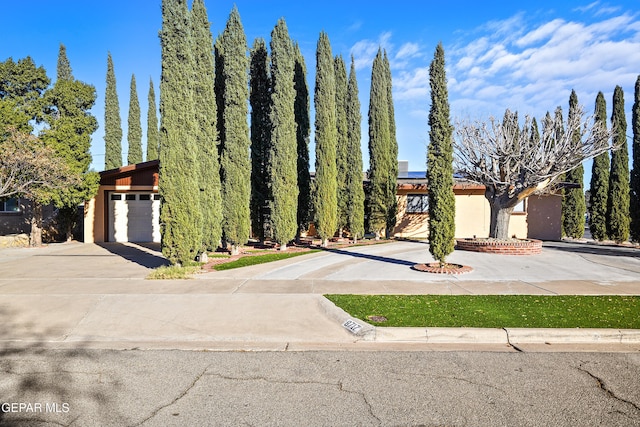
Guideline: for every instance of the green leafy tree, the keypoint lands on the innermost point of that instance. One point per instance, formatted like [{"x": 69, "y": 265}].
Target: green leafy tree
[
  {"x": 22, "y": 85},
  {"x": 342, "y": 155},
  {"x": 392, "y": 204},
  {"x": 206, "y": 132},
  {"x": 634, "y": 195},
  {"x": 112, "y": 125},
  {"x": 303, "y": 130},
  {"x": 573, "y": 202},
  {"x": 442, "y": 205},
  {"x": 618, "y": 203},
  {"x": 134, "y": 134},
  {"x": 381, "y": 190},
  {"x": 326, "y": 191},
  {"x": 260, "y": 100},
  {"x": 70, "y": 125},
  {"x": 180, "y": 216},
  {"x": 153, "y": 136},
  {"x": 599, "y": 188},
  {"x": 283, "y": 156},
  {"x": 235, "y": 164},
  {"x": 355, "y": 190}
]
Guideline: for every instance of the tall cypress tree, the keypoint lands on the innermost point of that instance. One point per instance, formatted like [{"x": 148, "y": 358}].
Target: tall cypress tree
[
  {"x": 355, "y": 210},
  {"x": 325, "y": 135},
  {"x": 380, "y": 148},
  {"x": 68, "y": 104},
  {"x": 206, "y": 132},
  {"x": 393, "y": 152},
  {"x": 112, "y": 126},
  {"x": 180, "y": 215},
  {"x": 134, "y": 134},
  {"x": 235, "y": 164},
  {"x": 284, "y": 151},
  {"x": 573, "y": 203},
  {"x": 535, "y": 133},
  {"x": 442, "y": 206},
  {"x": 342, "y": 154},
  {"x": 153, "y": 137},
  {"x": 63, "y": 70},
  {"x": 260, "y": 100},
  {"x": 618, "y": 204},
  {"x": 634, "y": 195},
  {"x": 599, "y": 188},
  {"x": 303, "y": 130}
]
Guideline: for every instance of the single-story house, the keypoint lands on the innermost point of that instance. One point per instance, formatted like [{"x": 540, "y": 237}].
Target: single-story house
[
  {"x": 127, "y": 209},
  {"x": 537, "y": 217}
]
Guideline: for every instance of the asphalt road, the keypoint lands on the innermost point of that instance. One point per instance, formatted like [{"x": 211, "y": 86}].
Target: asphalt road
[{"x": 84, "y": 387}]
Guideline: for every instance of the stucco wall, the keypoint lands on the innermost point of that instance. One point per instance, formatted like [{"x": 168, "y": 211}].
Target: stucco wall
[
  {"x": 544, "y": 217},
  {"x": 95, "y": 212},
  {"x": 473, "y": 217}
]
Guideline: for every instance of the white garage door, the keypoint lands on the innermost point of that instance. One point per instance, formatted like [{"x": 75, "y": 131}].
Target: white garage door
[{"x": 134, "y": 217}]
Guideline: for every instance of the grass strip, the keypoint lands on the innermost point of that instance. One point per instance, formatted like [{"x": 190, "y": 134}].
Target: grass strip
[
  {"x": 173, "y": 272},
  {"x": 259, "y": 259},
  {"x": 495, "y": 311}
]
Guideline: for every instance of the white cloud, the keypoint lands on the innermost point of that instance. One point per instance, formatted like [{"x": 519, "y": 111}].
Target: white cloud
[
  {"x": 364, "y": 51},
  {"x": 539, "y": 33},
  {"x": 412, "y": 84},
  {"x": 408, "y": 50},
  {"x": 534, "y": 67}
]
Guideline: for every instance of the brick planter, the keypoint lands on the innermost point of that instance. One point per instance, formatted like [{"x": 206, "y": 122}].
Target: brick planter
[
  {"x": 508, "y": 247},
  {"x": 435, "y": 268}
]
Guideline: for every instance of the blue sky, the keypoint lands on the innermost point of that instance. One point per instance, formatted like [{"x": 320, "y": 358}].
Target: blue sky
[{"x": 499, "y": 54}]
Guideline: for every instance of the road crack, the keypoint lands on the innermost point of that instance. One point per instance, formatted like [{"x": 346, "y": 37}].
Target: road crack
[
  {"x": 603, "y": 386},
  {"x": 340, "y": 387},
  {"x": 174, "y": 401}
]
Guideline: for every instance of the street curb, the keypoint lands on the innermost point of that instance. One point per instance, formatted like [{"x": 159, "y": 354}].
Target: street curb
[
  {"x": 361, "y": 331},
  {"x": 507, "y": 335}
]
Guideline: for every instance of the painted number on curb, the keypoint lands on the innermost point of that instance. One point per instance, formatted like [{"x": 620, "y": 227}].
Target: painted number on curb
[{"x": 352, "y": 326}]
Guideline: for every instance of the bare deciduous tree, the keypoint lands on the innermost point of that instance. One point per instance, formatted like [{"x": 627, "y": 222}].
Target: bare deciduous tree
[
  {"x": 512, "y": 165},
  {"x": 28, "y": 168}
]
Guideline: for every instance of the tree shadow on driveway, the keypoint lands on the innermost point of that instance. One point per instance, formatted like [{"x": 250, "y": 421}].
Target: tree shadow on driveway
[
  {"x": 371, "y": 257},
  {"x": 145, "y": 254},
  {"x": 593, "y": 249}
]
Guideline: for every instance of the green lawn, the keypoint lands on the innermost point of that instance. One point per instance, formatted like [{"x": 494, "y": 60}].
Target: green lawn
[
  {"x": 259, "y": 259},
  {"x": 495, "y": 311}
]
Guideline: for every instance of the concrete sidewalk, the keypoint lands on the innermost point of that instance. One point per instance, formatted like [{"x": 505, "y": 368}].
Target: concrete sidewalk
[{"x": 71, "y": 295}]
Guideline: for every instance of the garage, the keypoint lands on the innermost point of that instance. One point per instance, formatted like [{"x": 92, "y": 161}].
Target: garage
[
  {"x": 134, "y": 217},
  {"x": 126, "y": 207}
]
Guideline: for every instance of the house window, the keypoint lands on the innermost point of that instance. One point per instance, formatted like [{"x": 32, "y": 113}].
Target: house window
[
  {"x": 520, "y": 207},
  {"x": 417, "y": 203},
  {"x": 145, "y": 197},
  {"x": 11, "y": 205}
]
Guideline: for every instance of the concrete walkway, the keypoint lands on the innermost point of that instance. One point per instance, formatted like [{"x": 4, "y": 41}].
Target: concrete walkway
[{"x": 85, "y": 295}]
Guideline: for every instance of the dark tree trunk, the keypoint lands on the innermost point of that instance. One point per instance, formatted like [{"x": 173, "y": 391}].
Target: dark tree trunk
[
  {"x": 501, "y": 207},
  {"x": 500, "y": 216}
]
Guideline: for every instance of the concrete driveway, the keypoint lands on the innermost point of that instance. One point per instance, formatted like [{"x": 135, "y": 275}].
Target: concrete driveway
[{"x": 66, "y": 294}]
